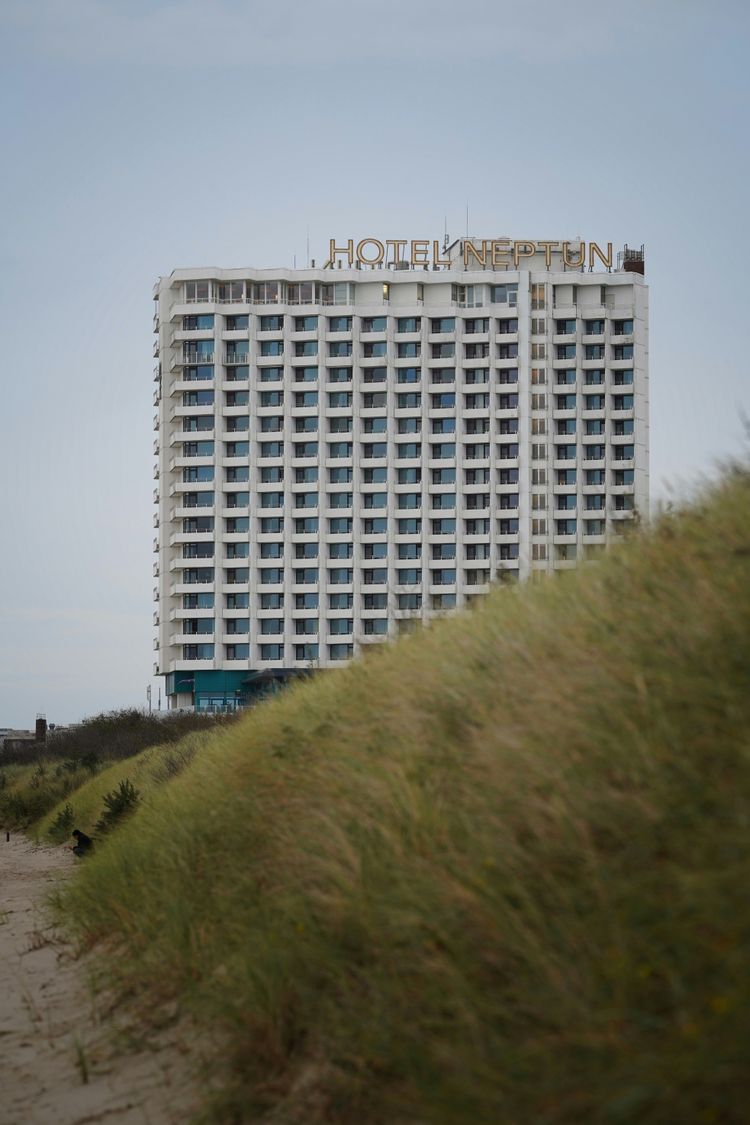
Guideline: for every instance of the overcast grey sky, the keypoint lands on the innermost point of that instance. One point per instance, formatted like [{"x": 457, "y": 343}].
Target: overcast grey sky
[{"x": 144, "y": 135}]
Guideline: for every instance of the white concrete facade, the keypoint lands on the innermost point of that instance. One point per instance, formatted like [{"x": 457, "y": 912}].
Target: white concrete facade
[{"x": 343, "y": 452}]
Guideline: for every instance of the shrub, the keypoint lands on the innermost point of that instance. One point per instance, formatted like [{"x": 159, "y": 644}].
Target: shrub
[
  {"x": 118, "y": 803},
  {"x": 62, "y": 825}
]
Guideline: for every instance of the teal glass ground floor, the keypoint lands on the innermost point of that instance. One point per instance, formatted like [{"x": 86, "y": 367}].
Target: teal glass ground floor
[{"x": 224, "y": 690}]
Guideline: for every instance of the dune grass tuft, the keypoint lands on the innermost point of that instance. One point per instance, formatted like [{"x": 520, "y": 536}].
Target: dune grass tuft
[{"x": 494, "y": 873}]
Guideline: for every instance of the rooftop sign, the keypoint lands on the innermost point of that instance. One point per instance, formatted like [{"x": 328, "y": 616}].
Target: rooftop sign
[{"x": 495, "y": 252}]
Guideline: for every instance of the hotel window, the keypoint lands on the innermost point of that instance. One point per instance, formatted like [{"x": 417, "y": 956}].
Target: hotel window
[
  {"x": 375, "y": 449},
  {"x": 504, "y": 294},
  {"x": 199, "y": 290},
  {"x": 624, "y": 452},
  {"x": 306, "y": 347},
  {"x": 406, "y": 324},
  {"x": 340, "y": 525},
  {"x": 231, "y": 292},
  {"x": 339, "y": 499},
  {"x": 539, "y": 552},
  {"x": 274, "y": 323},
  {"x": 242, "y": 601},
  {"x": 375, "y": 525},
  {"x": 538, "y": 298},
  {"x": 339, "y": 449},
  {"x": 376, "y": 349},
  {"x": 339, "y": 324},
  {"x": 305, "y": 323},
  {"x": 538, "y": 502},
  {"x": 403, "y": 351},
  {"x": 410, "y": 601},
  {"x": 339, "y": 576},
  {"x": 338, "y": 293},
  {"x": 409, "y": 374},
  {"x": 271, "y": 374},
  {"x": 306, "y": 500},
  {"x": 374, "y": 324},
  {"x": 340, "y": 652},
  {"x": 443, "y": 526},
  {"x": 339, "y": 374},
  {"x": 306, "y": 626},
  {"x": 302, "y": 293},
  {"x": 306, "y": 476},
  {"x": 306, "y": 576},
  {"x": 266, "y": 292},
  {"x": 302, "y": 601},
  {"x": 338, "y": 399},
  {"x": 409, "y": 576},
  {"x": 538, "y": 401},
  {"x": 410, "y": 550},
  {"x": 538, "y": 426},
  {"x": 340, "y": 474},
  {"x": 412, "y": 526},
  {"x": 201, "y": 323},
  {"x": 408, "y": 449},
  {"x": 538, "y": 376},
  {"x": 272, "y": 652}
]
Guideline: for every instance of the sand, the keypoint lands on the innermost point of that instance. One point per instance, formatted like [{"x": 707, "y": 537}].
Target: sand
[{"x": 58, "y": 1062}]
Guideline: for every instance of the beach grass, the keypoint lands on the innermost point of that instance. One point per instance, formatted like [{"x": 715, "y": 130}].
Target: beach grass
[{"x": 494, "y": 873}]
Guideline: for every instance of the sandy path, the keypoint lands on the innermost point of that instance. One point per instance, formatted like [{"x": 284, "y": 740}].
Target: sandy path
[{"x": 50, "y": 1033}]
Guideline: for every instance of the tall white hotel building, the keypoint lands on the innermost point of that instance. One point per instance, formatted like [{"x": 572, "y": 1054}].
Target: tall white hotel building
[{"x": 347, "y": 450}]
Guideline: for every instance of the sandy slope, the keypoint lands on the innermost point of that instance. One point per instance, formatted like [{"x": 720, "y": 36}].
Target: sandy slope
[{"x": 50, "y": 1033}]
